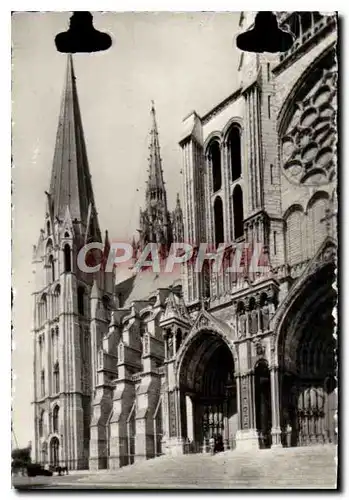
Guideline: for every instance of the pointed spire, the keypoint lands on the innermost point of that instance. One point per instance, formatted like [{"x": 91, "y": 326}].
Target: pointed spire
[
  {"x": 70, "y": 180},
  {"x": 155, "y": 179},
  {"x": 178, "y": 203}
]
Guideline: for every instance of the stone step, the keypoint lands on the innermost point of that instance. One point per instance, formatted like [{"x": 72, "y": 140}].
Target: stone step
[{"x": 307, "y": 467}]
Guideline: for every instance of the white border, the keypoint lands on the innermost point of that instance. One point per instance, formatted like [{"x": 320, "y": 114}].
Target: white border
[{"x": 5, "y": 154}]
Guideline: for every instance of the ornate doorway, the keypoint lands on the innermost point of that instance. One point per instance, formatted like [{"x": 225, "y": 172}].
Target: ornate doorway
[
  {"x": 54, "y": 452},
  {"x": 307, "y": 364},
  {"x": 207, "y": 377}
]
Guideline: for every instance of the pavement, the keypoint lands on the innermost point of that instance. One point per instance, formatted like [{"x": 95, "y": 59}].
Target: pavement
[{"x": 292, "y": 468}]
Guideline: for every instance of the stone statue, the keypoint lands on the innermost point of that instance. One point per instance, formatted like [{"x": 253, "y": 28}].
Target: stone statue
[
  {"x": 265, "y": 317},
  {"x": 242, "y": 326}
]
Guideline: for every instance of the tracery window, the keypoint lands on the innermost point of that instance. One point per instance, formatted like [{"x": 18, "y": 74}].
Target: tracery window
[{"x": 309, "y": 139}]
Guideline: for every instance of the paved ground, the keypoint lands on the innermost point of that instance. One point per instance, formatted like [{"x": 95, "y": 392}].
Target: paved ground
[{"x": 282, "y": 468}]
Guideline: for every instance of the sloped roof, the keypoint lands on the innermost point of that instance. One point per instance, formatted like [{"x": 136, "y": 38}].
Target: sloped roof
[{"x": 143, "y": 284}]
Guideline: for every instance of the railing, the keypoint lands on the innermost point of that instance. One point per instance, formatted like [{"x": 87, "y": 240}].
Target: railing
[{"x": 304, "y": 26}]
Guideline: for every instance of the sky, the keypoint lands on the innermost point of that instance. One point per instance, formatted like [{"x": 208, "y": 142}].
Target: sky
[{"x": 183, "y": 62}]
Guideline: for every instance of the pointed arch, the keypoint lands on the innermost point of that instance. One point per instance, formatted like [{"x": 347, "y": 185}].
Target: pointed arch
[{"x": 238, "y": 212}]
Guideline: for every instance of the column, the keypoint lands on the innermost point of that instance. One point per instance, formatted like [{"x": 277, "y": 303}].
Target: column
[
  {"x": 275, "y": 407},
  {"x": 247, "y": 436}
]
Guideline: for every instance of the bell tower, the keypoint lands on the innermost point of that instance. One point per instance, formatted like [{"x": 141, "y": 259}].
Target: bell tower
[{"x": 62, "y": 343}]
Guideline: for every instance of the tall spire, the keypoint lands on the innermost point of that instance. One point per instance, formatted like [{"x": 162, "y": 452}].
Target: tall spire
[
  {"x": 155, "y": 180},
  {"x": 155, "y": 223},
  {"x": 70, "y": 180}
]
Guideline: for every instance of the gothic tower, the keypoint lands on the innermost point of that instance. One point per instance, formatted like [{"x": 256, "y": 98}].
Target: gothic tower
[
  {"x": 62, "y": 343},
  {"x": 155, "y": 220}
]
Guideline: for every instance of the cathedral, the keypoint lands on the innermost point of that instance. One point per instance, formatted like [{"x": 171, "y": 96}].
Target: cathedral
[{"x": 150, "y": 364}]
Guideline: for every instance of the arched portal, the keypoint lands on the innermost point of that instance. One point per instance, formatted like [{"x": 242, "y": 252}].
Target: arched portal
[
  {"x": 208, "y": 392},
  {"x": 306, "y": 356},
  {"x": 54, "y": 451}
]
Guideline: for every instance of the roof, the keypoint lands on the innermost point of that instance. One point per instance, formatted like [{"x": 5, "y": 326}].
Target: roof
[
  {"x": 70, "y": 179},
  {"x": 142, "y": 285}
]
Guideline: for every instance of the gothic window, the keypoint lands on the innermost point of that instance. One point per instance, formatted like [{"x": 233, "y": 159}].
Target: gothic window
[
  {"x": 215, "y": 160},
  {"x": 234, "y": 148},
  {"x": 67, "y": 258},
  {"x": 43, "y": 309},
  {"x": 42, "y": 381},
  {"x": 41, "y": 423},
  {"x": 52, "y": 268},
  {"x": 238, "y": 212},
  {"x": 218, "y": 221},
  {"x": 308, "y": 137},
  {"x": 55, "y": 418},
  {"x": 56, "y": 377},
  {"x": 294, "y": 231},
  {"x": 48, "y": 228},
  {"x": 317, "y": 220},
  {"x": 66, "y": 235},
  {"x": 81, "y": 298}
]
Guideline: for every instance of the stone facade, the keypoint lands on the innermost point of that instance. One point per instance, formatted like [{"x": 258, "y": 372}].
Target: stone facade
[{"x": 247, "y": 357}]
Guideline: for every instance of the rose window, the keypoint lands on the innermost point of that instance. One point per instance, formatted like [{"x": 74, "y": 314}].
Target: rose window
[{"x": 309, "y": 144}]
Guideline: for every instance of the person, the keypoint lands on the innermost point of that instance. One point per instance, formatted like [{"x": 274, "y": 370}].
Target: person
[
  {"x": 219, "y": 443},
  {"x": 212, "y": 443}
]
